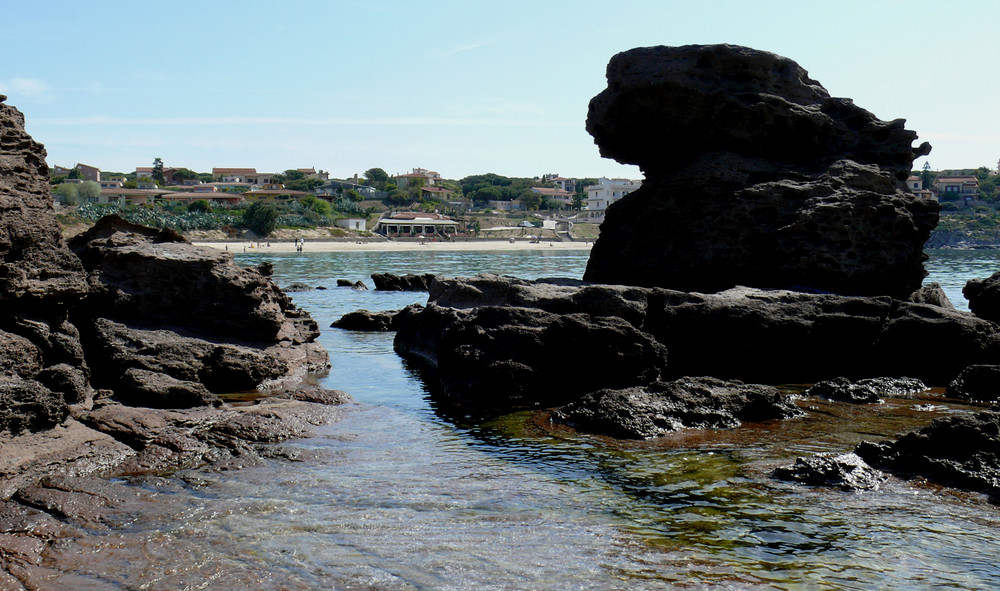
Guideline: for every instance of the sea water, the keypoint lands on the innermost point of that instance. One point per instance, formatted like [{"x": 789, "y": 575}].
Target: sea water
[{"x": 396, "y": 497}]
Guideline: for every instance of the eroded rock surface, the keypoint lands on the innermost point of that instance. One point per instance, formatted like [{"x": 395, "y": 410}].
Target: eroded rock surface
[
  {"x": 408, "y": 282},
  {"x": 754, "y": 176},
  {"x": 503, "y": 343},
  {"x": 845, "y": 471},
  {"x": 961, "y": 451},
  {"x": 866, "y": 391},
  {"x": 654, "y": 410},
  {"x": 114, "y": 352}
]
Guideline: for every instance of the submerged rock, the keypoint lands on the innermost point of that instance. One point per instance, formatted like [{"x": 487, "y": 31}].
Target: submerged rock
[
  {"x": 865, "y": 391},
  {"x": 977, "y": 383},
  {"x": 408, "y": 282},
  {"x": 656, "y": 409},
  {"x": 845, "y": 471},
  {"x": 961, "y": 451},
  {"x": 755, "y": 176}
]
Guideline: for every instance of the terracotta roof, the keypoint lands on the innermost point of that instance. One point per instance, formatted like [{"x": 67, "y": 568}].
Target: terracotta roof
[
  {"x": 412, "y": 215},
  {"x": 234, "y": 171},
  {"x": 436, "y": 190},
  {"x": 278, "y": 192}
]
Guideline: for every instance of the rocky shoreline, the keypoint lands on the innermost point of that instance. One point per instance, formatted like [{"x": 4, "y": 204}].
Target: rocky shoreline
[{"x": 117, "y": 352}]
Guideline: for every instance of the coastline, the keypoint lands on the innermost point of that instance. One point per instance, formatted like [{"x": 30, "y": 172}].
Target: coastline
[{"x": 263, "y": 246}]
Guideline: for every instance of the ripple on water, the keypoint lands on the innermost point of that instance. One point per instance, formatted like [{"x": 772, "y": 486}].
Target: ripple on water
[{"x": 396, "y": 497}]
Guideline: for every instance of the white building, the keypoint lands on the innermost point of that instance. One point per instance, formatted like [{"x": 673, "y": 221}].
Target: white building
[{"x": 603, "y": 194}]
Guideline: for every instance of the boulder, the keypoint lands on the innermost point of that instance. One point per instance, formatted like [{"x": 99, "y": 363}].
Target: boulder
[
  {"x": 490, "y": 339},
  {"x": 984, "y": 297},
  {"x": 933, "y": 294},
  {"x": 500, "y": 358},
  {"x": 845, "y": 471},
  {"x": 363, "y": 320},
  {"x": 865, "y": 391},
  {"x": 755, "y": 176},
  {"x": 977, "y": 383},
  {"x": 659, "y": 408},
  {"x": 408, "y": 282},
  {"x": 960, "y": 451}
]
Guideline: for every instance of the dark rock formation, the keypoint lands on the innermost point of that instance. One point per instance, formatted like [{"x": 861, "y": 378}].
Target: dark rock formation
[
  {"x": 408, "y": 282},
  {"x": 358, "y": 285},
  {"x": 649, "y": 411},
  {"x": 977, "y": 383},
  {"x": 961, "y": 451},
  {"x": 497, "y": 358},
  {"x": 754, "y": 176},
  {"x": 932, "y": 294},
  {"x": 297, "y": 286},
  {"x": 845, "y": 471},
  {"x": 487, "y": 337},
  {"x": 150, "y": 320},
  {"x": 865, "y": 391},
  {"x": 363, "y": 320},
  {"x": 984, "y": 297}
]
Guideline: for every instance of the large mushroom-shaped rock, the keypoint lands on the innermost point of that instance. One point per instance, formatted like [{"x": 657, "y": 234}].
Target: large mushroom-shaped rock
[{"x": 755, "y": 176}]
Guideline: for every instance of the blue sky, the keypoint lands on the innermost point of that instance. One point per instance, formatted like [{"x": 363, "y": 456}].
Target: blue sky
[{"x": 464, "y": 87}]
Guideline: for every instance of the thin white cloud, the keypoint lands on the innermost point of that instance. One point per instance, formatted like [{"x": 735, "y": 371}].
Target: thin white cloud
[
  {"x": 293, "y": 121},
  {"x": 27, "y": 88}
]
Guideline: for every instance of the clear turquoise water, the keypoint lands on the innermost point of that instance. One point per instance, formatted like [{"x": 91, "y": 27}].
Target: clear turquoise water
[{"x": 395, "y": 497}]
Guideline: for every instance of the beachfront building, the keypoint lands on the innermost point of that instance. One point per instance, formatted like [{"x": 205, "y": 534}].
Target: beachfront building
[
  {"x": 406, "y": 224},
  {"x": 358, "y": 224},
  {"x": 603, "y": 194}
]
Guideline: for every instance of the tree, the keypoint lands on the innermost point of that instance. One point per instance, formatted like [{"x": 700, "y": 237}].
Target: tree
[
  {"x": 354, "y": 195},
  {"x": 158, "y": 170},
  {"x": 67, "y": 192},
  {"x": 578, "y": 199},
  {"x": 201, "y": 205},
  {"x": 261, "y": 218},
  {"x": 927, "y": 176},
  {"x": 185, "y": 174},
  {"x": 74, "y": 173},
  {"x": 88, "y": 191},
  {"x": 376, "y": 176}
]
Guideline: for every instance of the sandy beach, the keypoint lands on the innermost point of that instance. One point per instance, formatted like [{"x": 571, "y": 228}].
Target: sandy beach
[{"x": 332, "y": 246}]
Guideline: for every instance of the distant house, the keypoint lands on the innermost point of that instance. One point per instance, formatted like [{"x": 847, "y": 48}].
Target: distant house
[
  {"x": 89, "y": 173},
  {"x": 435, "y": 192},
  {"x": 558, "y": 197},
  {"x": 333, "y": 186},
  {"x": 413, "y": 223},
  {"x": 144, "y": 172},
  {"x": 568, "y": 185},
  {"x": 513, "y": 205},
  {"x": 358, "y": 224},
  {"x": 123, "y": 196},
  {"x": 603, "y": 194},
  {"x": 242, "y": 175},
  {"x": 422, "y": 176},
  {"x": 956, "y": 188},
  {"x": 312, "y": 173},
  {"x": 188, "y": 197},
  {"x": 56, "y": 171},
  {"x": 275, "y": 194},
  {"x": 914, "y": 183}
]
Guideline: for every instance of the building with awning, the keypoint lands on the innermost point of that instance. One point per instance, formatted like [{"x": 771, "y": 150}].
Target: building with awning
[{"x": 410, "y": 223}]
